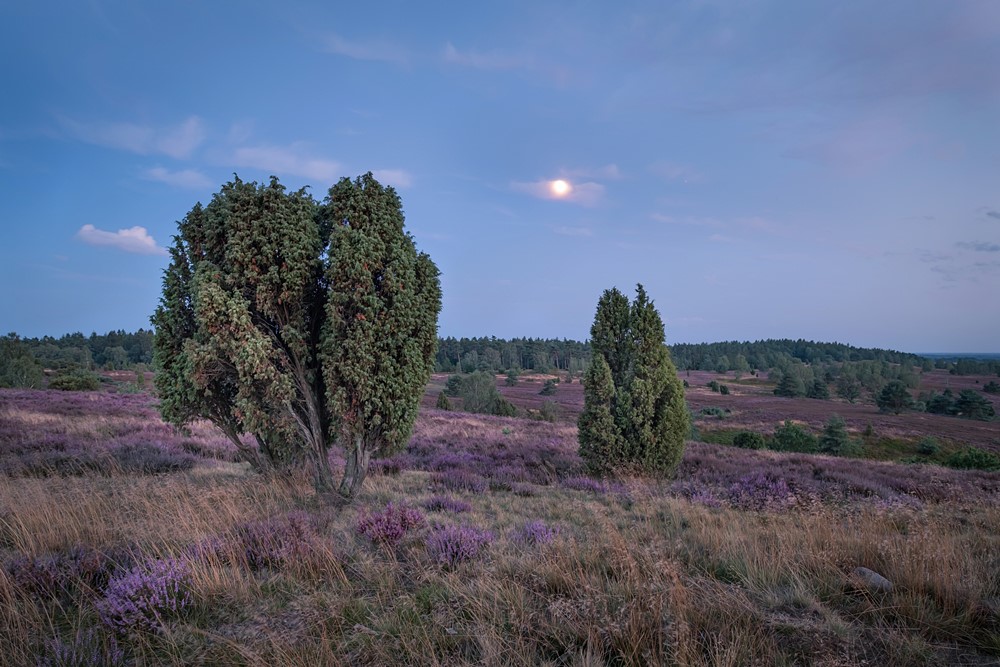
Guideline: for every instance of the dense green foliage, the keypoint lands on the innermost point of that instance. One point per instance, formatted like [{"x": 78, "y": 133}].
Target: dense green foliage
[
  {"x": 115, "y": 350},
  {"x": 79, "y": 379},
  {"x": 790, "y": 437},
  {"x": 18, "y": 367},
  {"x": 749, "y": 440},
  {"x": 303, "y": 324},
  {"x": 479, "y": 394},
  {"x": 634, "y": 412},
  {"x": 971, "y": 405},
  {"x": 973, "y": 458},
  {"x": 894, "y": 398}
]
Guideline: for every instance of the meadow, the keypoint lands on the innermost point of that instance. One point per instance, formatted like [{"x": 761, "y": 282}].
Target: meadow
[{"x": 125, "y": 542}]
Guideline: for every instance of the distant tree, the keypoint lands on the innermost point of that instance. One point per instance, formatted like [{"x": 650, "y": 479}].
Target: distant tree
[
  {"x": 442, "y": 402},
  {"x": 480, "y": 394},
  {"x": 971, "y": 405},
  {"x": 834, "y": 438},
  {"x": 848, "y": 388},
  {"x": 549, "y": 388},
  {"x": 818, "y": 390},
  {"x": 512, "y": 376},
  {"x": 722, "y": 364},
  {"x": 941, "y": 404},
  {"x": 18, "y": 367},
  {"x": 894, "y": 397},
  {"x": 633, "y": 382},
  {"x": 714, "y": 386},
  {"x": 790, "y": 437},
  {"x": 724, "y": 389},
  {"x": 305, "y": 325},
  {"x": 790, "y": 385},
  {"x": 991, "y": 387},
  {"x": 453, "y": 387},
  {"x": 79, "y": 379}
]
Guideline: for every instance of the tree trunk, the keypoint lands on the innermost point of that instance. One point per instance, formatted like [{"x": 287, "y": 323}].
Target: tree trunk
[
  {"x": 358, "y": 458},
  {"x": 323, "y": 478},
  {"x": 251, "y": 455}
]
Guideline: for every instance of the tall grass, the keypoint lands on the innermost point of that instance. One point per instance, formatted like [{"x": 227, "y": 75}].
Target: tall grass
[{"x": 625, "y": 572}]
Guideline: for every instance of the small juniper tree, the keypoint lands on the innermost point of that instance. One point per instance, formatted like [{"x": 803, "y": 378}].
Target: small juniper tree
[
  {"x": 894, "y": 397},
  {"x": 302, "y": 324},
  {"x": 634, "y": 412}
]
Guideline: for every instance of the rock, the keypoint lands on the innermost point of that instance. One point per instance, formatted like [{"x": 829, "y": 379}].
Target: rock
[{"x": 872, "y": 580}]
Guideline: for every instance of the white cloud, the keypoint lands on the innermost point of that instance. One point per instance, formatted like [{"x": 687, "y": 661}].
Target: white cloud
[
  {"x": 377, "y": 50},
  {"x": 134, "y": 239},
  {"x": 397, "y": 178},
  {"x": 721, "y": 238},
  {"x": 184, "y": 178},
  {"x": 585, "y": 194},
  {"x": 176, "y": 142},
  {"x": 292, "y": 160}
]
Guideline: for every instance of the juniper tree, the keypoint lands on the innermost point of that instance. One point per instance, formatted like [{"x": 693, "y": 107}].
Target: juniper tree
[
  {"x": 304, "y": 325},
  {"x": 634, "y": 413}
]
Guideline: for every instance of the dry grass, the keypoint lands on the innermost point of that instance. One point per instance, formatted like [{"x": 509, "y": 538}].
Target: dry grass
[{"x": 655, "y": 580}]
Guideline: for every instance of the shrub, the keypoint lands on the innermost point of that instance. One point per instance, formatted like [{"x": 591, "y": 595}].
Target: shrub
[
  {"x": 991, "y": 387},
  {"x": 78, "y": 380},
  {"x": 390, "y": 525},
  {"x": 834, "y": 439},
  {"x": 145, "y": 596},
  {"x": 714, "y": 385},
  {"x": 928, "y": 446},
  {"x": 271, "y": 543},
  {"x": 894, "y": 397},
  {"x": 973, "y": 458},
  {"x": 790, "y": 437},
  {"x": 457, "y": 479},
  {"x": 724, "y": 389},
  {"x": 451, "y": 545},
  {"x": 511, "y": 380},
  {"x": 759, "y": 491},
  {"x": 549, "y": 411},
  {"x": 749, "y": 440},
  {"x": 442, "y": 402},
  {"x": 533, "y": 532},
  {"x": 712, "y": 411},
  {"x": 971, "y": 405},
  {"x": 549, "y": 388}
]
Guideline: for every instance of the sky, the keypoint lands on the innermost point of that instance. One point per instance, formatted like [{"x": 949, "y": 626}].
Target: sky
[{"x": 824, "y": 170}]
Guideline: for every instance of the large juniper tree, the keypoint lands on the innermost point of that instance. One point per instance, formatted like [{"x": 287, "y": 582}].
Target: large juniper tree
[
  {"x": 301, "y": 324},
  {"x": 634, "y": 415}
]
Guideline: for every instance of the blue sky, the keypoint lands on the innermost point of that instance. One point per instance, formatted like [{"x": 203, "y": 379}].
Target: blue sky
[{"x": 824, "y": 170}]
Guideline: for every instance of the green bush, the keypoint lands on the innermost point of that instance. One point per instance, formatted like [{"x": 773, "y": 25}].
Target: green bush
[
  {"x": 79, "y": 380},
  {"x": 712, "y": 411},
  {"x": 442, "y": 402},
  {"x": 790, "y": 437},
  {"x": 973, "y": 458},
  {"x": 991, "y": 387},
  {"x": 749, "y": 440},
  {"x": 454, "y": 386},
  {"x": 550, "y": 388},
  {"x": 724, "y": 389},
  {"x": 928, "y": 446}
]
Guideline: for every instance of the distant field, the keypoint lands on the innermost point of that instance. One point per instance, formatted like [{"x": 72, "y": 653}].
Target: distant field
[
  {"x": 754, "y": 406},
  {"x": 123, "y": 541}
]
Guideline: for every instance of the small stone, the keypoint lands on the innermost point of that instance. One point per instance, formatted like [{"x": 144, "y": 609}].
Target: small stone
[{"x": 872, "y": 580}]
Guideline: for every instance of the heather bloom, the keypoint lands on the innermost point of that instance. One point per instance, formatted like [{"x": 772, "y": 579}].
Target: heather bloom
[
  {"x": 446, "y": 504},
  {"x": 391, "y": 524},
  {"x": 759, "y": 491},
  {"x": 457, "y": 479},
  {"x": 451, "y": 545},
  {"x": 534, "y": 532},
  {"x": 143, "y": 597},
  {"x": 88, "y": 648}
]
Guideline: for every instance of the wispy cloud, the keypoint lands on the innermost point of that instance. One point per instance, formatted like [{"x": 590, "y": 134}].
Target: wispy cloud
[
  {"x": 177, "y": 142},
  {"x": 134, "y": 239},
  {"x": 721, "y": 238},
  {"x": 609, "y": 172},
  {"x": 979, "y": 246},
  {"x": 993, "y": 214},
  {"x": 672, "y": 171},
  {"x": 493, "y": 60},
  {"x": 692, "y": 220},
  {"x": 398, "y": 178},
  {"x": 184, "y": 178},
  {"x": 375, "y": 50},
  {"x": 585, "y": 194},
  {"x": 499, "y": 61},
  {"x": 573, "y": 231},
  {"x": 293, "y": 160}
]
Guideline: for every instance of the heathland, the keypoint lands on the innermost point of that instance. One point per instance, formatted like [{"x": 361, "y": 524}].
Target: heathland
[{"x": 125, "y": 541}]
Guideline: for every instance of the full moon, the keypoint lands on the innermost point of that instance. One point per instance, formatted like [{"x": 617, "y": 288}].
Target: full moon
[{"x": 560, "y": 188}]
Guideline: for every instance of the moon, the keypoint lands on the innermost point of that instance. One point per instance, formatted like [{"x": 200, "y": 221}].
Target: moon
[{"x": 560, "y": 188}]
